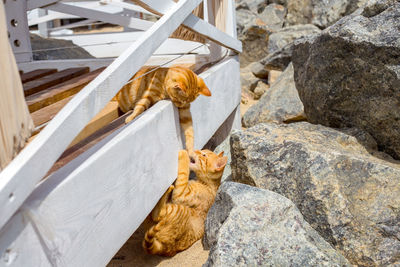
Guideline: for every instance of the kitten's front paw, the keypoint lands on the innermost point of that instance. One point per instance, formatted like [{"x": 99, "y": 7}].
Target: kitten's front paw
[
  {"x": 129, "y": 119},
  {"x": 183, "y": 156},
  {"x": 171, "y": 187}
]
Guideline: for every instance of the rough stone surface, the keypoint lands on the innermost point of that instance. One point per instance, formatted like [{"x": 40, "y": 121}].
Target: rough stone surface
[
  {"x": 258, "y": 70},
  {"x": 247, "y": 79},
  {"x": 279, "y": 59},
  {"x": 273, "y": 16},
  {"x": 280, "y": 103},
  {"x": 349, "y": 76},
  {"x": 287, "y": 35},
  {"x": 320, "y": 13},
  {"x": 226, "y": 147},
  {"x": 255, "y": 43},
  {"x": 72, "y": 52},
  {"x": 260, "y": 89},
  {"x": 349, "y": 196},
  {"x": 248, "y": 226}
]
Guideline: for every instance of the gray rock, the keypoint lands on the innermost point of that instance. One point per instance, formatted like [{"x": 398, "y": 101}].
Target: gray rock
[
  {"x": 287, "y": 35},
  {"x": 281, "y": 103},
  {"x": 247, "y": 80},
  {"x": 273, "y": 16},
  {"x": 59, "y": 49},
  {"x": 349, "y": 196},
  {"x": 260, "y": 89},
  {"x": 349, "y": 76},
  {"x": 279, "y": 59},
  {"x": 320, "y": 13},
  {"x": 226, "y": 148},
  {"x": 258, "y": 70},
  {"x": 255, "y": 43},
  {"x": 248, "y": 226}
]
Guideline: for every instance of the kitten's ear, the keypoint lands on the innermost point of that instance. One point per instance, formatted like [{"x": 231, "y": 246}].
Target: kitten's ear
[
  {"x": 203, "y": 88},
  {"x": 220, "y": 164},
  {"x": 221, "y": 154}
]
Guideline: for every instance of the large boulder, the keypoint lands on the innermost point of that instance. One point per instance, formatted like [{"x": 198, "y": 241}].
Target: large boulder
[
  {"x": 349, "y": 196},
  {"x": 320, "y": 13},
  {"x": 248, "y": 226},
  {"x": 280, "y": 103},
  {"x": 287, "y": 35},
  {"x": 350, "y": 74}
]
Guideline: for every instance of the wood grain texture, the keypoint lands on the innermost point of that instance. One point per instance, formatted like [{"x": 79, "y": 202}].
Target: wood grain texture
[
  {"x": 36, "y": 159},
  {"x": 105, "y": 116},
  {"x": 35, "y": 74},
  {"x": 60, "y": 91},
  {"x": 53, "y": 79},
  {"x": 87, "y": 209},
  {"x": 47, "y": 113}
]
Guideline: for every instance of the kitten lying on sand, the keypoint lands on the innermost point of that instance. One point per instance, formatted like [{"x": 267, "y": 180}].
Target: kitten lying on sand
[{"x": 180, "y": 221}]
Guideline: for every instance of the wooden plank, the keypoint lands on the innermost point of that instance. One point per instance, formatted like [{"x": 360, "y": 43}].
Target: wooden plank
[
  {"x": 35, "y": 74},
  {"x": 199, "y": 60},
  {"x": 201, "y": 27},
  {"x": 60, "y": 91},
  {"x": 46, "y": 114},
  {"x": 32, "y": 4},
  {"x": 36, "y": 159},
  {"x": 78, "y": 208},
  {"x": 53, "y": 79},
  {"x": 105, "y": 116},
  {"x": 74, "y": 151},
  {"x": 88, "y": 13}
]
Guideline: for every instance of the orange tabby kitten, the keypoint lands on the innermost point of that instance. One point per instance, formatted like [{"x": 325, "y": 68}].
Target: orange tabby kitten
[
  {"x": 180, "y": 222},
  {"x": 179, "y": 84}
]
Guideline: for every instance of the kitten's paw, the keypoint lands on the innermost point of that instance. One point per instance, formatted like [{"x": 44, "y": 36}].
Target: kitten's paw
[
  {"x": 183, "y": 157},
  {"x": 171, "y": 187},
  {"x": 129, "y": 119}
]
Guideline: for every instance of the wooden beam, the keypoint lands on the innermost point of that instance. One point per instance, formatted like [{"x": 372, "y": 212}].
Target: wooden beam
[
  {"x": 60, "y": 91},
  {"x": 29, "y": 167},
  {"x": 47, "y": 113},
  {"x": 105, "y": 116},
  {"x": 89, "y": 13},
  {"x": 200, "y": 26},
  {"x": 53, "y": 79},
  {"x": 36, "y": 74}
]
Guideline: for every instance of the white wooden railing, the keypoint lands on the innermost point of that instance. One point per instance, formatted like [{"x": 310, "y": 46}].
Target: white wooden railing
[{"x": 86, "y": 210}]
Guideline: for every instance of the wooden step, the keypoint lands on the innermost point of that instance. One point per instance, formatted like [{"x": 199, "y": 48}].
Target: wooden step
[
  {"x": 36, "y": 74},
  {"x": 60, "y": 91},
  {"x": 45, "y": 82}
]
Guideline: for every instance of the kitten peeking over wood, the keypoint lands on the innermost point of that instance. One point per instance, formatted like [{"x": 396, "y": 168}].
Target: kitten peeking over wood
[
  {"x": 179, "y": 84},
  {"x": 180, "y": 221}
]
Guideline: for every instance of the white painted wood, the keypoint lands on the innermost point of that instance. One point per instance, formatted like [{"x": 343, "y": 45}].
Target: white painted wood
[
  {"x": 200, "y": 26},
  {"x": 89, "y": 13},
  {"x": 126, "y": 5},
  {"x": 32, "y": 4},
  {"x": 214, "y": 110},
  {"x": 43, "y": 27},
  {"x": 52, "y": 15},
  {"x": 85, "y": 211},
  {"x": 74, "y": 25},
  {"x": 114, "y": 44},
  {"x": 93, "y": 64},
  {"x": 35, "y": 160}
]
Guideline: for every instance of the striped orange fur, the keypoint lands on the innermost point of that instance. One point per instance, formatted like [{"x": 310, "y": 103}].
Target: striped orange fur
[
  {"x": 180, "y": 213},
  {"x": 179, "y": 84}
]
